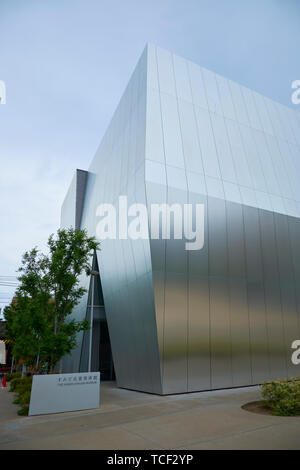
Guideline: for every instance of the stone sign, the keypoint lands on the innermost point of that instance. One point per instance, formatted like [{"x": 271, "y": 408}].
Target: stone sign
[{"x": 57, "y": 393}]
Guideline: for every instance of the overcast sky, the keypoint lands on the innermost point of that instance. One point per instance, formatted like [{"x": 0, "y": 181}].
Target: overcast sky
[{"x": 65, "y": 64}]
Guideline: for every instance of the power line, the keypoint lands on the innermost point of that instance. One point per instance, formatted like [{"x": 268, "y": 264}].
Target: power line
[
  {"x": 8, "y": 277},
  {"x": 9, "y": 281},
  {"x": 8, "y": 284}
]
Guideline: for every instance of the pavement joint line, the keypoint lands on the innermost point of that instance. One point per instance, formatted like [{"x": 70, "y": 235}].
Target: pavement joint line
[
  {"x": 257, "y": 428},
  {"x": 145, "y": 438},
  {"x": 14, "y": 426},
  {"x": 11, "y": 426},
  {"x": 123, "y": 426},
  {"x": 142, "y": 418},
  {"x": 234, "y": 434}
]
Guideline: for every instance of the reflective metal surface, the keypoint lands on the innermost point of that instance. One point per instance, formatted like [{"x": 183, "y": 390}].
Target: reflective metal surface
[{"x": 225, "y": 315}]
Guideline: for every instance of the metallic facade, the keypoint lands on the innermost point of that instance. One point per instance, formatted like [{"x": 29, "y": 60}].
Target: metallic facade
[{"x": 226, "y": 315}]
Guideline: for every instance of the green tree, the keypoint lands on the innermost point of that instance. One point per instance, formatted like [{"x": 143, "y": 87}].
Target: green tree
[
  {"x": 37, "y": 320},
  {"x": 24, "y": 324}
]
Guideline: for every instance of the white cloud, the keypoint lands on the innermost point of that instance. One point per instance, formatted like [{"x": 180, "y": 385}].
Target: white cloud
[{"x": 32, "y": 191}]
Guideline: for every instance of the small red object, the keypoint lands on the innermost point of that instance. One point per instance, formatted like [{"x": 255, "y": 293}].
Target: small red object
[{"x": 4, "y": 381}]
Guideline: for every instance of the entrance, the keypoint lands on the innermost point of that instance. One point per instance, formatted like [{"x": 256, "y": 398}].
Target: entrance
[
  {"x": 105, "y": 361},
  {"x": 101, "y": 360}
]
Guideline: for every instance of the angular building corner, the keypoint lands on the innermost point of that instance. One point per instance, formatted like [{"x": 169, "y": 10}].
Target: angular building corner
[{"x": 225, "y": 315}]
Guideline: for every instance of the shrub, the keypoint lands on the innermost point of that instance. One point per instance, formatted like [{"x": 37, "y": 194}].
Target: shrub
[
  {"x": 19, "y": 382},
  {"x": 14, "y": 383},
  {"x": 12, "y": 375},
  {"x": 24, "y": 410},
  {"x": 22, "y": 388},
  {"x": 283, "y": 396}
]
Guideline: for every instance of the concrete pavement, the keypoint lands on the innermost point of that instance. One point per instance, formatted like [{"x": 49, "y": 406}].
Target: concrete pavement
[{"x": 134, "y": 420}]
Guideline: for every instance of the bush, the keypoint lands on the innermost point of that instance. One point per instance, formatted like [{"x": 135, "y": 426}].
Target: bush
[
  {"x": 15, "y": 382},
  {"x": 12, "y": 375},
  {"x": 283, "y": 396},
  {"x": 22, "y": 388},
  {"x": 24, "y": 410}
]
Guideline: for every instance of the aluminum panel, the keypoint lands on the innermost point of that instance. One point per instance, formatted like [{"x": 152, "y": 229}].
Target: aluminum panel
[
  {"x": 199, "y": 370},
  {"x": 154, "y": 135},
  {"x": 172, "y": 134},
  {"x": 175, "y": 334},
  {"x": 274, "y": 312},
  {"x": 225, "y": 97},
  {"x": 239, "y": 314},
  {"x": 220, "y": 339},
  {"x": 238, "y": 154},
  {"x": 152, "y": 75},
  {"x": 223, "y": 149},
  {"x": 182, "y": 80},
  {"x": 251, "y": 108},
  {"x": 254, "y": 163},
  {"x": 217, "y": 238},
  {"x": 294, "y": 231},
  {"x": 207, "y": 143},
  {"x": 197, "y": 86},
  {"x": 190, "y": 141},
  {"x": 225, "y": 315},
  {"x": 239, "y": 104},
  {"x": 212, "y": 92},
  {"x": 165, "y": 71},
  {"x": 279, "y": 167},
  {"x": 287, "y": 287},
  {"x": 262, "y": 113},
  {"x": 256, "y": 297},
  {"x": 198, "y": 310}
]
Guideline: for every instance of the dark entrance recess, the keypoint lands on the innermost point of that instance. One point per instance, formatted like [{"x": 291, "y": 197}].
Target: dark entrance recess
[{"x": 101, "y": 350}]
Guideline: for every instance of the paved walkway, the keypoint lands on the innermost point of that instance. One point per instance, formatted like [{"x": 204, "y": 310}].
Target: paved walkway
[{"x": 132, "y": 420}]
